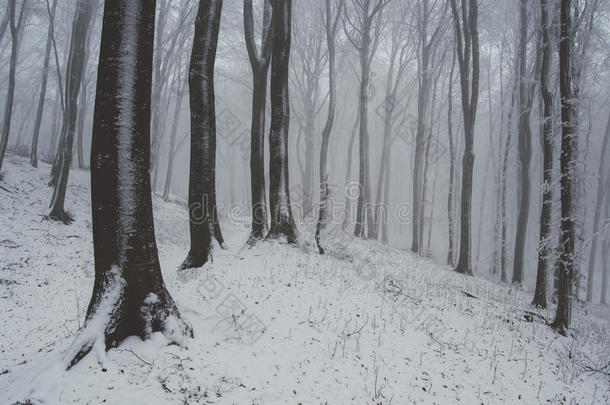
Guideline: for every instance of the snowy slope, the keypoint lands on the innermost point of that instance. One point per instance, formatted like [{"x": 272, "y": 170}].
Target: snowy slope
[{"x": 275, "y": 324}]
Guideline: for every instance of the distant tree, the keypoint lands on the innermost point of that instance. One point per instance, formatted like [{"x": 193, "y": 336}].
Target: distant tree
[
  {"x": 43, "y": 89},
  {"x": 74, "y": 76},
  {"x": 569, "y": 144},
  {"x": 203, "y": 215},
  {"x": 602, "y": 192},
  {"x": 282, "y": 220},
  {"x": 363, "y": 30},
  {"x": 129, "y": 295},
  {"x": 15, "y": 28},
  {"x": 467, "y": 41},
  {"x": 331, "y": 23},
  {"x": 260, "y": 71}
]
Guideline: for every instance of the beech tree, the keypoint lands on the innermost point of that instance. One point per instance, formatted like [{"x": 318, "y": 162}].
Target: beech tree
[
  {"x": 282, "y": 220},
  {"x": 74, "y": 76},
  {"x": 15, "y": 28},
  {"x": 129, "y": 296},
  {"x": 260, "y": 71},
  {"x": 467, "y": 41},
  {"x": 567, "y": 238},
  {"x": 363, "y": 31},
  {"x": 331, "y": 23},
  {"x": 203, "y": 217}
]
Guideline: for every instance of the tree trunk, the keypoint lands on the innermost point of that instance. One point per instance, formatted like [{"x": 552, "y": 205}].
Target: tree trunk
[
  {"x": 74, "y": 75},
  {"x": 282, "y": 221},
  {"x": 452, "y": 153},
  {"x": 331, "y": 31},
  {"x": 129, "y": 296},
  {"x": 525, "y": 150},
  {"x": 203, "y": 217},
  {"x": 546, "y": 213},
  {"x": 602, "y": 190},
  {"x": 468, "y": 58},
  {"x": 260, "y": 71},
  {"x": 10, "y": 94},
  {"x": 172, "y": 141},
  {"x": 43, "y": 90},
  {"x": 567, "y": 239}
]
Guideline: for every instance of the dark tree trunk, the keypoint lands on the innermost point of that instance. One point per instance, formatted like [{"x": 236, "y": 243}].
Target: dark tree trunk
[
  {"x": 129, "y": 295},
  {"x": 567, "y": 239},
  {"x": 203, "y": 217},
  {"x": 282, "y": 221},
  {"x": 43, "y": 90},
  {"x": 468, "y": 59},
  {"x": 10, "y": 94},
  {"x": 539, "y": 300},
  {"x": 80, "y": 126},
  {"x": 74, "y": 75},
  {"x": 260, "y": 71},
  {"x": 331, "y": 32}
]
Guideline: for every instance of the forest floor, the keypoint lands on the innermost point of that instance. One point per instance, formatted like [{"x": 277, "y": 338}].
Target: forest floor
[{"x": 365, "y": 324}]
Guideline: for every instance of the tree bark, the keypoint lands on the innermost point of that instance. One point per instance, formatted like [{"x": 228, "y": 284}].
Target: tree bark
[
  {"x": 539, "y": 300},
  {"x": 260, "y": 71},
  {"x": 203, "y": 216},
  {"x": 282, "y": 221},
  {"x": 468, "y": 61},
  {"x": 74, "y": 75},
  {"x": 129, "y": 296},
  {"x": 567, "y": 239}
]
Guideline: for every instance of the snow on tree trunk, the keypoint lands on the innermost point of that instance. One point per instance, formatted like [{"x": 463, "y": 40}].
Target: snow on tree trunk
[
  {"x": 129, "y": 295},
  {"x": 203, "y": 217},
  {"x": 282, "y": 221},
  {"x": 569, "y": 144}
]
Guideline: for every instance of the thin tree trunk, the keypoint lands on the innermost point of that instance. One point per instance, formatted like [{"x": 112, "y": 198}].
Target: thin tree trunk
[
  {"x": 331, "y": 31},
  {"x": 74, "y": 75},
  {"x": 452, "y": 153},
  {"x": 203, "y": 217},
  {"x": 599, "y": 206},
  {"x": 10, "y": 94},
  {"x": 129, "y": 296},
  {"x": 43, "y": 91},
  {"x": 172, "y": 142}
]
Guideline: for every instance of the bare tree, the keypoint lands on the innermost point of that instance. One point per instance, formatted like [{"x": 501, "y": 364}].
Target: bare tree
[
  {"x": 569, "y": 144},
  {"x": 74, "y": 76},
  {"x": 363, "y": 30},
  {"x": 260, "y": 70},
  {"x": 282, "y": 220},
  {"x": 427, "y": 44},
  {"x": 43, "y": 90},
  {"x": 330, "y": 23},
  {"x": 15, "y": 28},
  {"x": 129, "y": 296},
  {"x": 547, "y": 150},
  {"x": 467, "y": 40},
  {"x": 203, "y": 216}
]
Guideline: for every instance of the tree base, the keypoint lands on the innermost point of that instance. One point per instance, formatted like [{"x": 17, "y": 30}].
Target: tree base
[
  {"x": 465, "y": 270},
  {"x": 539, "y": 303},
  {"x": 119, "y": 311},
  {"x": 61, "y": 216},
  {"x": 193, "y": 262},
  {"x": 287, "y": 231}
]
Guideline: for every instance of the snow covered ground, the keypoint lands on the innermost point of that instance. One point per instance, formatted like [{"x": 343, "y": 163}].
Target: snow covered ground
[{"x": 366, "y": 324}]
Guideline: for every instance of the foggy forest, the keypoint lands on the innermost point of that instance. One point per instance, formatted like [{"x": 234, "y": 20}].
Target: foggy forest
[{"x": 304, "y": 201}]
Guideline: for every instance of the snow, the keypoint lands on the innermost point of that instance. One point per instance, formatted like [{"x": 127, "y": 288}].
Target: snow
[{"x": 277, "y": 324}]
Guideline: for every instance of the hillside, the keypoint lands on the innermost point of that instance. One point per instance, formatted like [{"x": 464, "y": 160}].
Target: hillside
[{"x": 277, "y": 324}]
